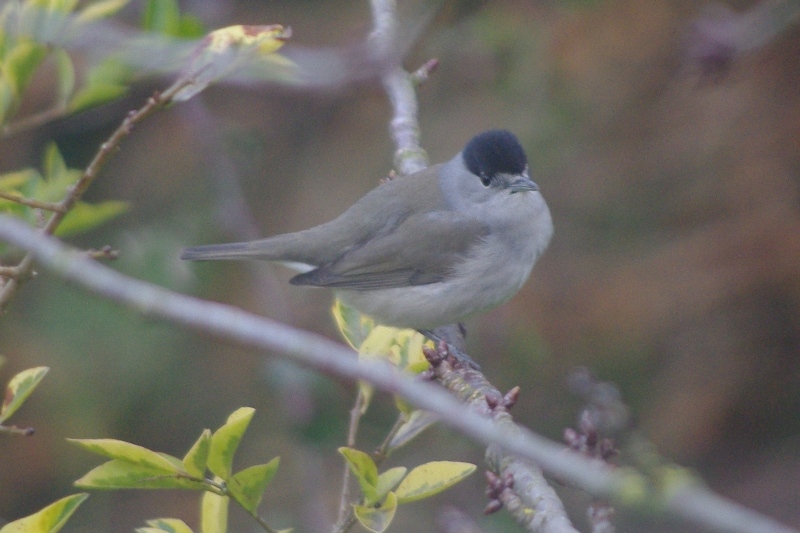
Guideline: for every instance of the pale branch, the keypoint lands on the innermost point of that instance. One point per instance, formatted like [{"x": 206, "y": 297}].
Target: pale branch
[
  {"x": 74, "y": 194},
  {"x": 686, "y": 499},
  {"x": 409, "y": 156}
]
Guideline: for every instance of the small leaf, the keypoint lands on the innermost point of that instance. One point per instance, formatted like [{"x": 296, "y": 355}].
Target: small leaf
[
  {"x": 166, "y": 525},
  {"x": 162, "y": 16},
  {"x": 363, "y": 468},
  {"x": 50, "y": 519},
  {"x": 95, "y": 95},
  {"x": 214, "y": 513},
  {"x": 21, "y": 62},
  {"x": 66, "y": 75},
  {"x": 121, "y": 474},
  {"x": 416, "y": 423},
  {"x": 377, "y": 519},
  {"x": 127, "y": 452},
  {"x": 19, "y": 388},
  {"x": 248, "y": 486},
  {"x": 431, "y": 478},
  {"x": 85, "y": 217},
  {"x": 195, "y": 460},
  {"x": 14, "y": 180},
  {"x": 389, "y": 480},
  {"x": 53, "y": 163},
  {"x": 100, "y": 10},
  {"x": 226, "y": 50},
  {"x": 353, "y": 326},
  {"x": 225, "y": 441}
]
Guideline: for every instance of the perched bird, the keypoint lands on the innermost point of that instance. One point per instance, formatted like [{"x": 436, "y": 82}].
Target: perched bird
[{"x": 424, "y": 250}]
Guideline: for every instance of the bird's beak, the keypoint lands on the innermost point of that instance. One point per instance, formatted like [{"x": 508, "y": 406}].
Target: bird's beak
[{"x": 522, "y": 184}]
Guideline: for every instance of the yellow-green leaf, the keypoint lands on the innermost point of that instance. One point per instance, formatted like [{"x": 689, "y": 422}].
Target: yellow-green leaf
[
  {"x": 165, "y": 525},
  {"x": 14, "y": 180},
  {"x": 353, "y": 326},
  {"x": 225, "y": 441},
  {"x": 66, "y": 75},
  {"x": 21, "y": 62},
  {"x": 388, "y": 481},
  {"x": 195, "y": 460},
  {"x": 95, "y": 95},
  {"x": 120, "y": 474},
  {"x": 19, "y": 388},
  {"x": 248, "y": 486},
  {"x": 214, "y": 513},
  {"x": 363, "y": 468},
  {"x": 377, "y": 519},
  {"x": 226, "y": 50},
  {"x": 431, "y": 478},
  {"x": 85, "y": 217},
  {"x": 128, "y": 452},
  {"x": 53, "y": 163},
  {"x": 49, "y": 520},
  {"x": 100, "y": 10}
]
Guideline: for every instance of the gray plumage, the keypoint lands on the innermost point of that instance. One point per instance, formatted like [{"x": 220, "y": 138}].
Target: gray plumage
[{"x": 424, "y": 250}]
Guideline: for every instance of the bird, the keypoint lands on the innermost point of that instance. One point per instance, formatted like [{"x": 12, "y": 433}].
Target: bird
[{"x": 426, "y": 250}]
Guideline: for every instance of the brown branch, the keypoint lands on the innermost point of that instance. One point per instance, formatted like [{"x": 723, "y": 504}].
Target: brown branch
[
  {"x": 107, "y": 149},
  {"x": 30, "y": 202}
]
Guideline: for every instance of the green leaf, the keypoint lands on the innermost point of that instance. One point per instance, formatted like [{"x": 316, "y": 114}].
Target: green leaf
[
  {"x": 214, "y": 513},
  {"x": 389, "y": 480},
  {"x": 66, "y": 75},
  {"x": 353, "y": 326},
  {"x": 127, "y": 452},
  {"x": 84, "y": 217},
  {"x": 225, "y": 441},
  {"x": 14, "y": 180},
  {"x": 165, "y": 525},
  {"x": 19, "y": 388},
  {"x": 363, "y": 467},
  {"x": 377, "y": 519},
  {"x": 95, "y": 95},
  {"x": 162, "y": 16},
  {"x": 415, "y": 424},
  {"x": 195, "y": 460},
  {"x": 100, "y": 10},
  {"x": 121, "y": 474},
  {"x": 248, "y": 486},
  {"x": 50, "y": 519},
  {"x": 21, "y": 62},
  {"x": 431, "y": 478},
  {"x": 53, "y": 162}
]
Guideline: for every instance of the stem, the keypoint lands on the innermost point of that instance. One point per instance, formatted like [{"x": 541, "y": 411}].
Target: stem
[
  {"x": 32, "y": 121},
  {"x": 345, "y": 507},
  {"x": 30, "y": 202},
  {"x": 384, "y": 450}
]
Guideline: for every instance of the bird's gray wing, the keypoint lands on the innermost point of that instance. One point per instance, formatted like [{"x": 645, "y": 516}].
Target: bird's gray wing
[{"x": 423, "y": 249}]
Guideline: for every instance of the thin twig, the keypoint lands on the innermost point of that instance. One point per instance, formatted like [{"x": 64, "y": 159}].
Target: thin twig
[
  {"x": 30, "y": 202},
  {"x": 107, "y": 149},
  {"x": 345, "y": 500},
  {"x": 683, "y": 498},
  {"x": 34, "y": 121}
]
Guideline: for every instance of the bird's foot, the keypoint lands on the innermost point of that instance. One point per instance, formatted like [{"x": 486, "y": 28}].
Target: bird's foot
[{"x": 453, "y": 337}]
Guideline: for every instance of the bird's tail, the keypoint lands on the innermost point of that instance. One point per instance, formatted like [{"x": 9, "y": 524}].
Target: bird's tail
[{"x": 212, "y": 252}]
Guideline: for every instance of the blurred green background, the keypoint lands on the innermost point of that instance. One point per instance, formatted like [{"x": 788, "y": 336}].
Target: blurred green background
[{"x": 674, "y": 271}]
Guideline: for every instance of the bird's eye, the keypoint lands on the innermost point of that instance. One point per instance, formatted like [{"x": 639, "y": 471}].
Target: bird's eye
[{"x": 485, "y": 179}]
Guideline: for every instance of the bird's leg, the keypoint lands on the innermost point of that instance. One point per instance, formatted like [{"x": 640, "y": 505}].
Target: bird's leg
[{"x": 454, "y": 335}]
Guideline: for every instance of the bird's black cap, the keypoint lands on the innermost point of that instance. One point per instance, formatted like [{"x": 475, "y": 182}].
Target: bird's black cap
[{"x": 494, "y": 152}]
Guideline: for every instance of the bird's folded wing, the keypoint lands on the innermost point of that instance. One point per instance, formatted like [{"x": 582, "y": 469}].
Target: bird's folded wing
[{"x": 423, "y": 249}]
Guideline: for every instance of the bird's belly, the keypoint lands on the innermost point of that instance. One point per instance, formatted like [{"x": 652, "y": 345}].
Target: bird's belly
[{"x": 488, "y": 278}]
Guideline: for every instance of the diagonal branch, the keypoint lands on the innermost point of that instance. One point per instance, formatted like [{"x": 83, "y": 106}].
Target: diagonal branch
[{"x": 683, "y": 498}]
